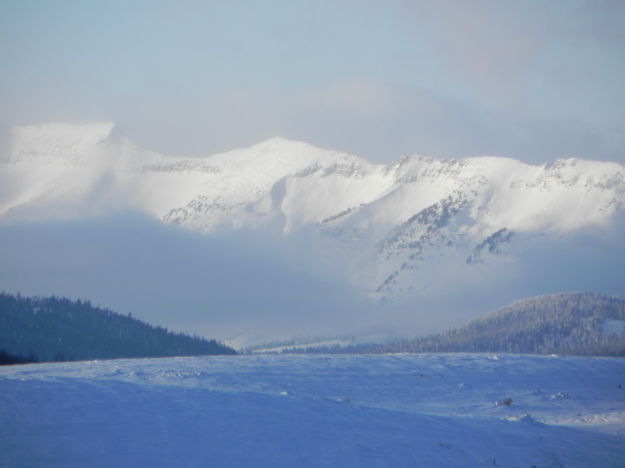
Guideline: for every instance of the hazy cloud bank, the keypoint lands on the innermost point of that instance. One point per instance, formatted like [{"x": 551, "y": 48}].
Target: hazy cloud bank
[{"x": 247, "y": 283}]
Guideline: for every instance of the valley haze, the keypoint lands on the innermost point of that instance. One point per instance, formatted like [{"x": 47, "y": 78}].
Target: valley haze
[{"x": 285, "y": 239}]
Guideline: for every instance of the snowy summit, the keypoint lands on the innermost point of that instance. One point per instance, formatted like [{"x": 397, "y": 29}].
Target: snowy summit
[{"x": 385, "y": 223}]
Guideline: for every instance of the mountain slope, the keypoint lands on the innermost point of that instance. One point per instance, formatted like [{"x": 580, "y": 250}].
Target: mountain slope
[
  {"x": 573, "y": 323},
  {"x": 385, "y": 228},
  {"x": 51, "y": 329}
]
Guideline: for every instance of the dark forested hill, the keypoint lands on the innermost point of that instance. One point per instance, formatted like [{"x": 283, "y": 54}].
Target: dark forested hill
[
  {"x": 568, "y": 323},
  {"x": 573, "y": 323},
  {"x": 56, "y": 329}
]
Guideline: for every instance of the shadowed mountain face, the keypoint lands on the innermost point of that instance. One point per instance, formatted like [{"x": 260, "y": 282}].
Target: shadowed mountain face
[{"x": 418, "y": 231}]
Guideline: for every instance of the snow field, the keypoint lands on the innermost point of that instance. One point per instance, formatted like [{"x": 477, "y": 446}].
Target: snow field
[{"x": 390, "y": 410}]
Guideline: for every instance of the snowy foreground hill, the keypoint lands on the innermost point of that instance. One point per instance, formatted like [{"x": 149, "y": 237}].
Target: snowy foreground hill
[
  {"x": 335, "y": 411},
  {"x": 388, "y": 229}
]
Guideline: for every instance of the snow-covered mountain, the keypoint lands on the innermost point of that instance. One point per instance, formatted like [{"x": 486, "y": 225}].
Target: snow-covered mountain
[{"x": 385, "y": 227}]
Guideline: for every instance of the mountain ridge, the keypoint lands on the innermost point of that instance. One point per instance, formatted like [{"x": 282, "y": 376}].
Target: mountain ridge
[{"x": 389, "y": 224}]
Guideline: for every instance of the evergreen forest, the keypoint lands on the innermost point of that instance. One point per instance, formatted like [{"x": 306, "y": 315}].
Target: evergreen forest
[
  {"x": 59, "y": 329},
  {"x": 585, "y": 324}
]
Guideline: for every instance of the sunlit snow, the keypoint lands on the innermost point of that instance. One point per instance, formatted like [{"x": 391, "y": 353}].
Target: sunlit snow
[{"x": 383, "y": 228}]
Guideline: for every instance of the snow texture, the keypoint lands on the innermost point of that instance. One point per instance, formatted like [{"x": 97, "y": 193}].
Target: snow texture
[{"x": 390, "y": 410}]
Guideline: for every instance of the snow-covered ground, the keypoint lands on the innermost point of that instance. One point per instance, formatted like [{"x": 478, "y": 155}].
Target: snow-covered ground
[{"x": 384, "y": 410}]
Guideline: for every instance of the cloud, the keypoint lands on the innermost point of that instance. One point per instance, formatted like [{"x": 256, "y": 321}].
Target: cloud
[
  {"x": 375, "y": 120},
  {"x": 230, "y": 284},
  {"x": 492, "y": 47},
  {"x": 383, "y": 122}
]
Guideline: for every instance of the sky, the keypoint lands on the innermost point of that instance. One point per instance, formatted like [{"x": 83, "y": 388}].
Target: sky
[{"x": 533, "y": 80}]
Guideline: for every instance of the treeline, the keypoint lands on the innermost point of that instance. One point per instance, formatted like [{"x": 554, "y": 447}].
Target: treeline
[
  {"x": 6, "y": 359},
  {"x": 572, "y": 323},
  {"x": 59, "y": 329}
]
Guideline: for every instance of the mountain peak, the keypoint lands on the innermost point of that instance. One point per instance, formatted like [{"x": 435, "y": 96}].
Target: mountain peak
[
  {"x": 280, "y": 156},
  {"x": 386, "y": 226},
  {"x": 278, "y": 140},
  {"x": 279, "y": 145}
]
